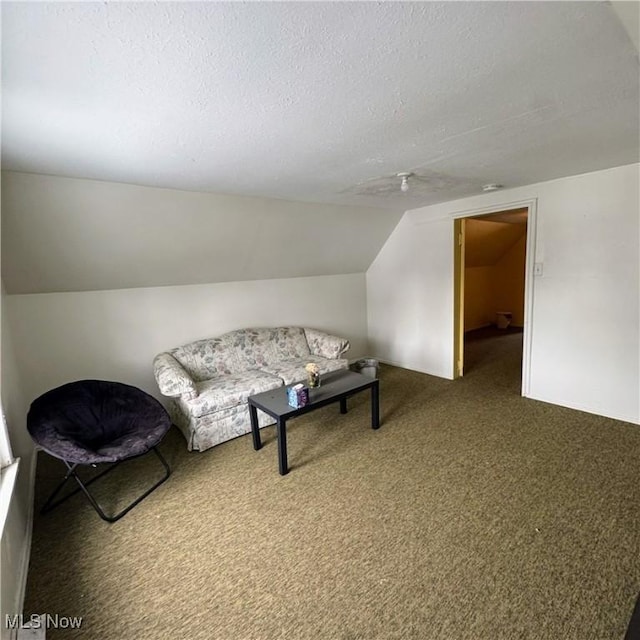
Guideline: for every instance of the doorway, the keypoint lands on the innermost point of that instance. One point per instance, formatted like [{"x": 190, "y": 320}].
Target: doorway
[{"x": 492, "y": 292}]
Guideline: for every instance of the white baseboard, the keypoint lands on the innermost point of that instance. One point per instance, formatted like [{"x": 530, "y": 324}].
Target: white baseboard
[
  {"x": 410, "y": 367},
  {"x": 597, "y": 411}
]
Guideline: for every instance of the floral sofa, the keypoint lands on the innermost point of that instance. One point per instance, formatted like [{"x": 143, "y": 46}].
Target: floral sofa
[{"x": 210, "y": 380}]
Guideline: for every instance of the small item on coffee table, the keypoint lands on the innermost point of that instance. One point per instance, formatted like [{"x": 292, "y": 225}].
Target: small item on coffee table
[
  {"x": 297, "y": 396},
  {"x": 313, "y": 375}
]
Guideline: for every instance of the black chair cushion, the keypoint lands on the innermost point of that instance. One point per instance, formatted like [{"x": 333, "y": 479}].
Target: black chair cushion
[{"x": 93, "y": 421}]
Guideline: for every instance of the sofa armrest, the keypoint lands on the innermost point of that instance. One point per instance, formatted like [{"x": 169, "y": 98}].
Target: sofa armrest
[
  {"x": 324, "y": 345},
  {"x": 171, "y": 377}
]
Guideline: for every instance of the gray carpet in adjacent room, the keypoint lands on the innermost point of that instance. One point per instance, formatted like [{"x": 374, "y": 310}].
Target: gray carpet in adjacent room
[{"x": 472, "y": 514}]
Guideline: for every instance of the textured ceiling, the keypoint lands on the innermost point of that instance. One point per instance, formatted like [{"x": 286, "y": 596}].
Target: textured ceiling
[{"x": 318, "y": 101}]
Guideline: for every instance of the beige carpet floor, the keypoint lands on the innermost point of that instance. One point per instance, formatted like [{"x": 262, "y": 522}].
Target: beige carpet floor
[{"x": 471, "y": 514}]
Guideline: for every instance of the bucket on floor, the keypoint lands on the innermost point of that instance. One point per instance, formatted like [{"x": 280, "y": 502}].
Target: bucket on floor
[
  {"x": 367, "y": 367},
  {"x": 503, "y": 319}
]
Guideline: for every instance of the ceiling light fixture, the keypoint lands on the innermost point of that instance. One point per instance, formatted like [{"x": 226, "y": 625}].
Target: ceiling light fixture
[
  {"x": 404, "y": 176},
  {"x": 491, "y": 187}
]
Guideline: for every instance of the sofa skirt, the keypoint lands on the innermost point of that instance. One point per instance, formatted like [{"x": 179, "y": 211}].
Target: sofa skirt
[{"x": 215, "y": 428}]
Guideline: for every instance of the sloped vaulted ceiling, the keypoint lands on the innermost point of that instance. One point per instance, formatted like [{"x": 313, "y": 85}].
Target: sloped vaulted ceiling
[
  {"x": 65, "y": 234},
  {"x": 487, "y": 241}
]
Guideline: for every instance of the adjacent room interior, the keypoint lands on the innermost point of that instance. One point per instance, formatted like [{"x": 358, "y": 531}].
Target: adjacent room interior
[
  {"x": 494, "y": 281},
  {"x": 223, "y": 193}
]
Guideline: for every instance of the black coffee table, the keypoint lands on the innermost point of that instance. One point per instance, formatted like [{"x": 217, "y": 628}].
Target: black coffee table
[{"x": 336, "y": 386}]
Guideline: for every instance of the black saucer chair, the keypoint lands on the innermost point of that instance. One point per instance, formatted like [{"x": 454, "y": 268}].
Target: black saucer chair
[{"x": 90, "y": 422}]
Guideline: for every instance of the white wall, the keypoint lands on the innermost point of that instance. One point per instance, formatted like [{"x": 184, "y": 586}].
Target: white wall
[
  {"x": 114, "y": 335},
  {"x": 410, "y": 298},
  {"x": 585, "y": 322}
]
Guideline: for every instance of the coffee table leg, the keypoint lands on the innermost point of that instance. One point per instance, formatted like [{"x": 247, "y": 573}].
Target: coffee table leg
[
  {"x": 282, "y": 446},
  {"x": 343, "y": 405},
  {"x": 255, "y": 430},
  {"x": 375, "y": 405}
]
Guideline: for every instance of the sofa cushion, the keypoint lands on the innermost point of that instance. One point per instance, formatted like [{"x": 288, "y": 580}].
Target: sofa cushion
[
  {"x": 227, "y": 391},
  {"x": 291, "y": 342},
  {"x": 257, "y": 348},
  {"x": 292, "y": 370},
  {"x": 205, "y": 359}
]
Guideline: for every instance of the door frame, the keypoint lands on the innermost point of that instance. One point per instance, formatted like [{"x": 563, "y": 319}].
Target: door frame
[
  {"x": 458, "y": 287},
  {"x": 458, "y": 296}
]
